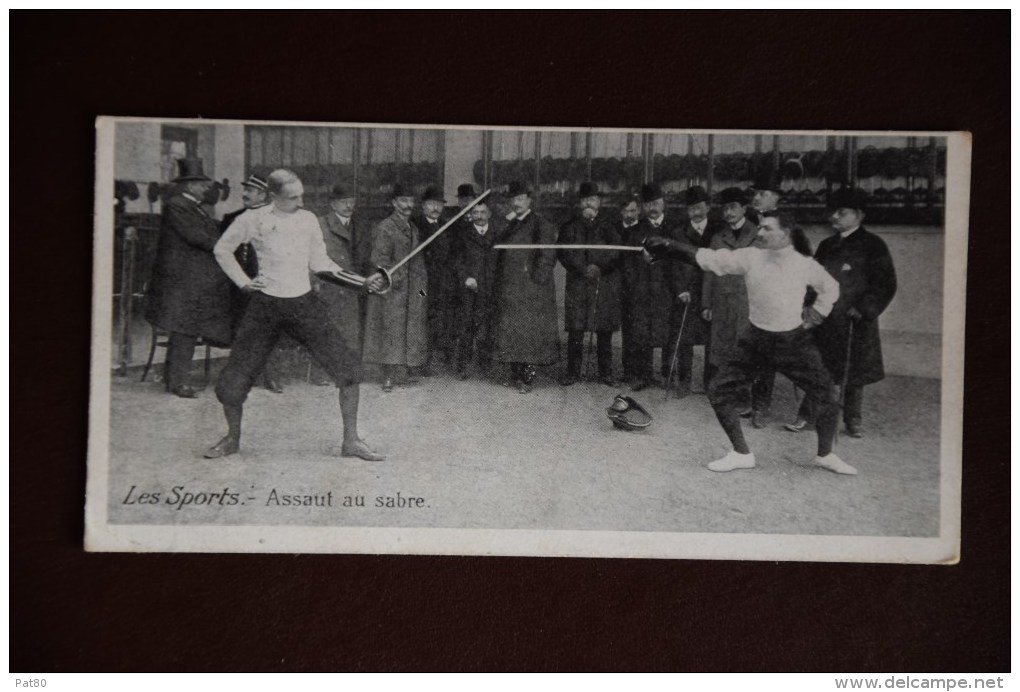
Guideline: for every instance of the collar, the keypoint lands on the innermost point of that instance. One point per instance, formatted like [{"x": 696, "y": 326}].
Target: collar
[
  {"x": 700, "y": 228},
  {"x": 345, "y": 220},
  {"x": 657, "y": 224},
  {"x": 481, "y": 229},
  {"x": 846, "y": 234},
  {"x": 743, "y": 222},
  {"x": 630, "y": 225},
  {"x": 524, "y": 215}
]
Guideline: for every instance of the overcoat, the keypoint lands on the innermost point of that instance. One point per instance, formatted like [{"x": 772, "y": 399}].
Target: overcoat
[
  {"x": 645, "y": 291},
  {"x": 442, "y": 290},
  {"x": 862, "y": 265},
  {"x": 526, "y": 330},
  {"x": 726, "y": 296},
  {"x": 686, "y": 277},
  {"x": 396, "y": 321},
  {"x": 475, "y": 258},
  {"x": 189, "y": 293},
  {"x": 591, "y": 305},
  {"x": 350, "y": 247}
]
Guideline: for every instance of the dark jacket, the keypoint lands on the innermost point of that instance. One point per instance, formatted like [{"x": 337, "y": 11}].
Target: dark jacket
[
  {"x": 688, "y": 278},
  {"x": 188, "y": 292},
  {"x": 442, "y": 288},
  {"x": 582, "y": 312},
  {"x": 395, "y": 322},
  {"x": 726, "y": 296},
  {"x": 350, "y": 248},
  {"x": 525, "y": 327},
  {"x": 867, "y": 281},
  {"x": 474, "y": 258},
  {"x": 647, "y": 299}
]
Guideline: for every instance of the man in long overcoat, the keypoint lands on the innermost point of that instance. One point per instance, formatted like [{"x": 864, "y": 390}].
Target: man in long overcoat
[
  {"x": 724, "y": 298},
  {"x": 442, "y": 290},
  {"x": 592, "y": 295},
  {"x": 189, "y": 295},
  {"x": 687, "y": 279},
  {"x": 475, "y": 262},
  {"x": 860, "y": 261},
  {"x": 396, "y": 327},
  {"x": 348, "y": 243},
  {"x": 526, "y": 330},
  {"x": 646, "y": 293}
]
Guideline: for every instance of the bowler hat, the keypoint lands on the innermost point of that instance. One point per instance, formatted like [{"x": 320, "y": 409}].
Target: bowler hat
[
  {"x": 190, "y": 169},
  {"x": 466, "y": 190},
  {"x": 768, "y": 180},
  {"x": 694, "y": 195},
  {"x": 651, "y": 192},
  {"x": 257, "y": 182},
  {"x": 433, "y": 194},
  {"x": 517, "y": 188},
  {"x": 847, "y": 198},
  {"x": 340, "y": 191},
  {"x": 400, "y": 191},
  {"x": 732, "y": 194},
  {"x": 588, "y": 189}
]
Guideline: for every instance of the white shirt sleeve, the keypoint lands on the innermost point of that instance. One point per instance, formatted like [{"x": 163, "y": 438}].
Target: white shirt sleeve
[
  {"x": 239, "y": 232},
  {"x": 318, "y": 258},
  {"x": 825, "y": 286},
  {"x": 722, "y": 262}
]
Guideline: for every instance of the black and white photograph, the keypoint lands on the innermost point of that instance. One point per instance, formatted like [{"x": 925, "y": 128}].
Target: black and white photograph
[{"x": 383, "y": 338}]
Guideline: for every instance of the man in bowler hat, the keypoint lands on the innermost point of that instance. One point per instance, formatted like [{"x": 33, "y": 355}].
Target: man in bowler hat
[
  {"x": 592, "y": 294},
  {"x": 475, "y": 261},
  {"x": 860, "y": 261},
  {"x": 526, "y": 332},
  {"x": 189, "y": 296},
  {"x": 442, "y": 290},
  {"x": 396, "y": 323},
  {"x": 646, "y": 295}
]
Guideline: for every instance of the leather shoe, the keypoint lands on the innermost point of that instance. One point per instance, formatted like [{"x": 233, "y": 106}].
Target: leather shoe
[
  {"x": 361, "y": 450},
  {"x": 568, "y": 379},
  {"x": 608, "y": 380},
  {"x": 759, "y": 420},
  {"x": 185, "y": 391},
  {"x": 747, "y": 412},
  {"x": 462, "y": 375},
  {"x": 274, "y": 386},
  {"x": 523, "y": 387},
  {"x": 854, "y": 430},
  {"x": 224, "y": 448},
  {"x": 797, "y": 426},
  {"x": 387, "y": 385},
  {"x": 638, "y": 385}
]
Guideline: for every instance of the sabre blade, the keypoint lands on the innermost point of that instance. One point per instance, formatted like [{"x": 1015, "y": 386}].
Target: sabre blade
[{"x": 442, "y": 228}]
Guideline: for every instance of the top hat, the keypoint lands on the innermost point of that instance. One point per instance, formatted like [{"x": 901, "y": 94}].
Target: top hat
[
  {"x": 732, "y": 194},
  {"x": 339, "y": 191},
  {"x": 651, "y": 192},
  {"x": 694, "y": 195},
  {"x": 768, "y": 180},
  {"x": 434, "y": 194},
  {"x": 400, "y": 191},
  {"x": 847, "y": 198},
  {"x": 466, "y": 190},
  {"x": 190, "y": 169},
  {"x": 517, "y": 188},
  {"x": 588, "y": 189},
  {"x": 257, "y": 182}
]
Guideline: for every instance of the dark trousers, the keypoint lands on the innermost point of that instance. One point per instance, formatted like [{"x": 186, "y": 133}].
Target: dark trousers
[
  {"x": 180, "y": 350},
  {"x": 637, "y": 357},
  {"x": 792, "y": 354},
  {"x": 852, "y": 404},
  {"x": 474, "y": 331},
  {"x": 603, "y": 350},
  {"x": 267, "y": 318}
]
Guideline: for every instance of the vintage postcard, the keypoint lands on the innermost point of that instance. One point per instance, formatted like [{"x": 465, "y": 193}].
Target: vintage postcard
[{"x": 415, "y": 339}]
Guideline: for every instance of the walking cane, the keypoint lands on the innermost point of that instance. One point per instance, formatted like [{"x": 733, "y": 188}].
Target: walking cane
[
  {"x": 846, "y": 379},
  {"x": 586, "y": 359},
  {"x": 676, "y": 353}
]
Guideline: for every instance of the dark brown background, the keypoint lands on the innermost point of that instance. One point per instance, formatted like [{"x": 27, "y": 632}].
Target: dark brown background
[{"x": 72, "y": 611}]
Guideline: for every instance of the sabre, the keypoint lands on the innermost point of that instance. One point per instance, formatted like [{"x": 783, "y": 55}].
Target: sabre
[
  {"x": 554, "y": 246},
  {"x": 352, "y": 280},
  {"x": 846, "y": 378},
  {"x": 432, "y": 237},
  {"x": 676, "y": 352}
]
